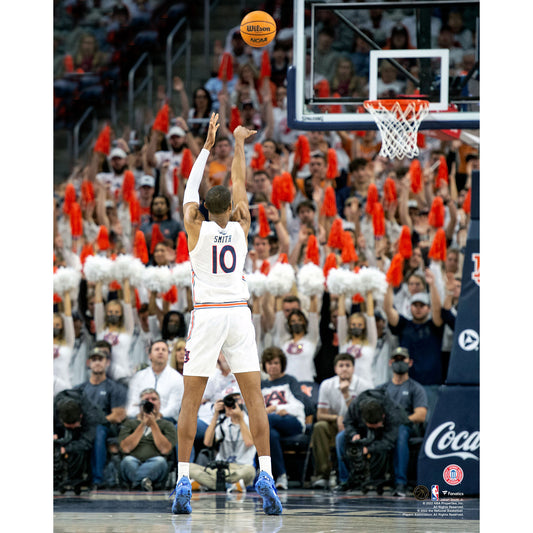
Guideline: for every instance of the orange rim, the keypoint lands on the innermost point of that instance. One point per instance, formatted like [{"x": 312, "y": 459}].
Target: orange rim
[{"x": 388, "y": 104}]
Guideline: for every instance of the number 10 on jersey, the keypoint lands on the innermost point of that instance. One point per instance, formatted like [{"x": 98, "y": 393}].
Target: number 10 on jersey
[{"x": 221, "y": 259}]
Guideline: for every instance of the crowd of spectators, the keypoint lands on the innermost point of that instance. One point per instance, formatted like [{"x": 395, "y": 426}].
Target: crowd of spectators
[{"x": 407, "y": 222}]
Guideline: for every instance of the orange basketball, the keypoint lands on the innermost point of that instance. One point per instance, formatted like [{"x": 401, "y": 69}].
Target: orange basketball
[{"x": 258, "y": 29}]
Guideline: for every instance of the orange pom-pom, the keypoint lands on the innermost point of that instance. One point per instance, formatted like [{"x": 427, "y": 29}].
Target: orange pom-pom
[
  {"x": 266, "y": 69},
  {"x": 135, "y": 209},
  {"x": 175, "y": 180},
  {"x": 235, "y": 118},
  {"x": 265, "y": 267},
  {"x": 225, "y": 70},
  {"x": 86, "y": 251},
  {"x": 282, "y": 258},
  {"x": 389, "y": 192},
  {"x": 276, "y": 192},
  {"x": 415, "y": 170},
  {"x": 312, "y": 254},
  {"x": 322, "y": 88},
  {"x": 259, "y": 159},
  {"x": 357, "y": 298},
  {"x": 171, "y": 295},
  {"x": 76, "y": 222},
  {"x": 329, "y": 205},
  {"x": 128, "y": 186},
  {"x": 333, "y": 169},
  {"x": 437, "y": 251},
  {"x": 335, "y": 108},
  {"x": 182, "y": 250},
  {"x": 467, "y": 202},
  {"x": 161, "y": 122},
  {"x": 395, "y": 272},
  {"x": 186, "y": 163},
  {"x": 103, "y": 141},
  {"x": 70, "y": 198},
  {"x": 114, "y": 285},
  {"x": 405, "y": 245},
  {"x": 348, "y": 253},
  {"x": 442, "y": 173},
  {"x": 103, "y": 239},
  {"x": 140, "y": 249},
  {"x": 138, "y": 302},
  {"x": 372, "y": 198},
  {"x": 287, "y": 191},
  {"x": 378, "y": 220},
  {"x": 436, "y": 213},
  {"x": 329, "y": 263},
  {"x": 335, "y": 234},
  {"x": 157, "y": 237},
  {"x": 302, "y": 151},
  {"x": 264, "y": 226},
  {"x": 87, "y": 192},
  {"x": 68, "y": 63}
]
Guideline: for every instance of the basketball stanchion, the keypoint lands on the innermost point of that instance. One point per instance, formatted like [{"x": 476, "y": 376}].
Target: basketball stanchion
[{"x": 398, "y": 122}]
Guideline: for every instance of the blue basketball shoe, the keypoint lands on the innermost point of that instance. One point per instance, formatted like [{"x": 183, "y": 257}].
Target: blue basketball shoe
[
  {"x": 182, "y": 496},
  {"x": 266, "y": 488}
]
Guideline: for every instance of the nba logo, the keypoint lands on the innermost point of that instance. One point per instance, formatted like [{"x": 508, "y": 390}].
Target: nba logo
[{"x": 434, "y": 492}]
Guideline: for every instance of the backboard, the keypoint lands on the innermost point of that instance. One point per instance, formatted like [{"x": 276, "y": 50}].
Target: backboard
[{"x": 389, "y": 50}]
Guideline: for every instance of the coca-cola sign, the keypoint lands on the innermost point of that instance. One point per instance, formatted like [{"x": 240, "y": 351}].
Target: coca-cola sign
[{"x": 444, "y": 442}]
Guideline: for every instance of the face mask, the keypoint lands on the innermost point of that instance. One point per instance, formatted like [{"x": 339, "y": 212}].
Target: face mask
[
  {"x": 400, "y": 367},
  {"x": 297, "y": 328},
  {"x": 113, "y": 319},
  {"x": 173, "y": 329},
  {"x": 355, "y": 332},
  {"x": 57, "y": 332}
]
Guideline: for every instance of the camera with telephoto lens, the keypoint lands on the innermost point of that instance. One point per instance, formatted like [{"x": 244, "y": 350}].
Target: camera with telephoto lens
[
  {"x": 357, "y": 462},
  {"x": 147, "y": 406},
  {"x": 229, "y": 401},
  {"x": 221, "y": 467}
]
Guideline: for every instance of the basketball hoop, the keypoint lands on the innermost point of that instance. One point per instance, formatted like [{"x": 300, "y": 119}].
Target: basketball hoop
[{"x": 398, "y": 122}]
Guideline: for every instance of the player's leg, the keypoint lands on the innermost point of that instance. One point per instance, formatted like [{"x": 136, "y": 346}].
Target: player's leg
[
  {"x": 193, "y": 390},
  {"x": 250, "y": 385}
]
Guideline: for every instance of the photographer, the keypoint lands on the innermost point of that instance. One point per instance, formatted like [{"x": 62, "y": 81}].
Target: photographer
[
  {"x": 236, "y": 451},
  {"x": 371, "y": 430},
  {"x": 75, "y": 423},
  {"x": 146, "y": 441}
]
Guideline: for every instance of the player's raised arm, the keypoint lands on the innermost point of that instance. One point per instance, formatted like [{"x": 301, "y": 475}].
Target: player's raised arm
[
  {"x": 191, "y": 199},
  {"x": 241, "y": 213}
]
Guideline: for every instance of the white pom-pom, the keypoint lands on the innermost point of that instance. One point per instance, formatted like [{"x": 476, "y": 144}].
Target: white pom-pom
[
  {"x": 280, "y": 279},
  {"x": 257, "y": 283},
  {"x": 123, "y": 266},
  {"x": 66, "y": 279},
  {"x": 158, "y": 278},
  {"x": 136, "y": 273},
  {"x": 182, "y": 274},
  {"x": 341, "y": 281},
  {"x": 311, "y": 280},
  {"x": 98, "y": 268},
  {"x": 372, "y": 280}
]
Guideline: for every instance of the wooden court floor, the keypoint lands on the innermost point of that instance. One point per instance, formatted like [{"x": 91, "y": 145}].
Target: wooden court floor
[{"x": 305, "y": 511}]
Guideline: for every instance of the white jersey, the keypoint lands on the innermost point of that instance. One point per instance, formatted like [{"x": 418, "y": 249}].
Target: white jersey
[{"x": 217, "y": 263}]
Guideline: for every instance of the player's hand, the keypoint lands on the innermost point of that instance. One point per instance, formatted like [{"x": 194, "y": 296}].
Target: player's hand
[
  {"x": 241, "y": 133},
  {"x": 211, "y": 132}
]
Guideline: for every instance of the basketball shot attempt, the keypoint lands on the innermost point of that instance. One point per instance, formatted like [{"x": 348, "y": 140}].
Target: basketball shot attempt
[{"x": 221, "y": 320}]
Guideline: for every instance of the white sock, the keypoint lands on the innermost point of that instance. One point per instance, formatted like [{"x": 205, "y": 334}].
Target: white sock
[
  {"x": 265, "y": 464},
  {"x": 183, "y": 470}
]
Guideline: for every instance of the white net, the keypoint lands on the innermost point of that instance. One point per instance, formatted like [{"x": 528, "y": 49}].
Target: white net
[{"x": 398, "y": 123}]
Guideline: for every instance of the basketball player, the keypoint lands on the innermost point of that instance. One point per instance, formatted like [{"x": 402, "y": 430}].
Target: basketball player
[{"x": 221, "y": 319}]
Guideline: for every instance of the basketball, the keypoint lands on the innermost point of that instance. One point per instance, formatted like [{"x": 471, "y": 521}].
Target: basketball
[{"x": 258, "y": 29}]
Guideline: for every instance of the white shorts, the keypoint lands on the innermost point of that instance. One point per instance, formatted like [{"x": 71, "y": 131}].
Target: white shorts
[{"x": 220, "y": 329}]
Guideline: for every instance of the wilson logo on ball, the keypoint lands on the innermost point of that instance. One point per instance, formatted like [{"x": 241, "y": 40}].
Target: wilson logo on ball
[{"x": 258, "y": 29}]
